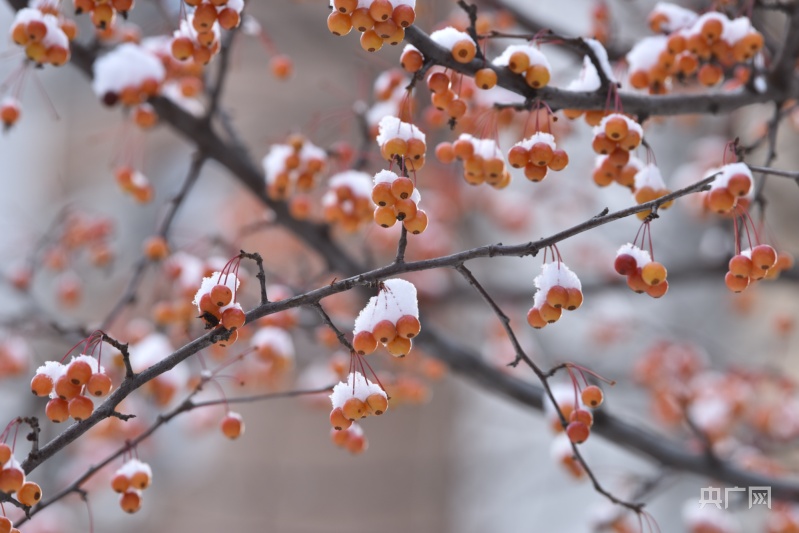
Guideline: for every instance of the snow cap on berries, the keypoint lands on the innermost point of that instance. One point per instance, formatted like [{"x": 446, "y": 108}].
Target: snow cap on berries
[
  {"x": 357, "y": 386},
  {"x": 535, "y": 56},
  {"x": 674, "y": 17},
  {"x": 553, "y": 274},
  {"x": 391, "y": 127},
  {"x": 646, "y": 52},
  {"x": 728, "y": 171},
  {"x": 447, "y": 37},
  {"x": 276, "y": 339},
  {"x": 396, "y": 299},
  {"x": 134, "y": 466},
  {"x": 127, "y": 65},
  {"x": 387, "y": 176},
  {"x": 217, "y": 278},
  {"x": 588, "y": 80},
  {"x": 54, "y": 36},
  {"x": 641, "y": 257},
  {"x": 359, "y": 183},
  {"x": 649, "y": 176},
  {"x": 485, "y": 148},
  {"x": 631, "y": 124},
  {"x": 538, "y": 137}
]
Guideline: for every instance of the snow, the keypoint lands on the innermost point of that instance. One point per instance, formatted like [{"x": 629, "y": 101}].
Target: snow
[
  {"x": 644, "y": 54},
  {"x": 449, "y": 36},
  {"x": 535, "y": 56},
  {"x": 708, "y": 516},
  {"x": 556, "y": 273},
  {"x": 649, "y": 176},
  {"x": 52, "y": 369},
  {"x": 391, "y": 127},
  {"x": 485, "y": 148},
  {"x": 631, "y": 125},
  {"x": 149, "y": 350},
  {"x": 217, "y": 278},
  {"x": 91, "y": 361},
  {"x": 588, "y": 79},
  {"x": 602, "y": 56},
  {"x": 539, "y": 137},
  {"x": 274, "y": 162},
  {"x": 132, "y": 467},
  {"x": 359, "y": 182},
  {"x": 728, "y": 171},
  {"x": 677, "y": 17},
  {"x": 396, "y": 299},
  {"x": 127, "y": 65},
  {"x": 277, "y": 339},
  {"x": 357, "y": 386},
  {"x": 642, "y": 257}
]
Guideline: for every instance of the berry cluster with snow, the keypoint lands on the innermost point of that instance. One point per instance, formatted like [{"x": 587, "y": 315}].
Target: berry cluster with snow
[
  {"x": 379, "y": 21},
  {"x": 643, "y": 273},
  {"x": 536, "y": 155},
  {"x": 216, "y": 301},
  {"x": 13, "y": 481},
  {"x": 397, "y": 198},
  {"x": 130, "y": 480},
  {"x": 558, "y": 288},
  {"x": 648, "y": 186},
  {"x": 390, "y": 318},
  {"x": 606, "y": 172},
  {"x": 693, "y": 45},
  {"x": 129, "y": 74},
  {"x": 460, "y": 44},
  {"x": 483, "y": 161},
  {"x": 43, "y": 33},
  {"x": 348, "y": 200},
  {"x": 295, "y": 165},
  {"x": 70, "y": 387},
  {"x": 527, "y": 61},
  {"x": 400, "y": 139},
  {"x": 351, "y": 401},
  {"x": 733, "y": 183},
  {"x": 197, "y": 38}
]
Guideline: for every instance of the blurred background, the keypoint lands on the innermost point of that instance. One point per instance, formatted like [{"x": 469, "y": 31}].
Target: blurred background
[{"x": 460, "y": 458}]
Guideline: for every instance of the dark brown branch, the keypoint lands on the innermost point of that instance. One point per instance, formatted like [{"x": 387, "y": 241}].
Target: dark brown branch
[
  {"x": 401, "y": 245},
  {"x": 123, "y": 349},
  {"x": 342, "y": 338},
  {"x": 259, "y": 261}
]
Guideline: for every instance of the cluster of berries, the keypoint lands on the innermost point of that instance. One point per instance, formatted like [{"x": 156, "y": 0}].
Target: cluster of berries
[
  {"x": 44, "y": 33},
  {"x": 347, "y": 201},
  {"x": 352, "y": 438},
  {"x": 690, "y": 45},
  {"x": 753, "y": 264},
  {"x": 526, "y": 61},
  {"x": 483, "y": 161},
  {"x": 70, "y": 386},
  {"x": 558, "y": 288},
  {"x": 378, "y": 21},
  {"x": 12, "y": 480},
  {"x": 129, "y": 481},
  {"x": 649, "y": 185},
  {"x": 216, "y": 301},
  {"x": 403, "y": 141},
  {"x": 356, "y": 399},
  {"x": 731, "y": 189},
  {"x": 397, "y": 199},
  {"x": 537, "y": 154},
  {"x": 134, "y": 184},
  {"x": 391, "y": 318},
  {"x": 294, "y": 165},
  {"x": 129, "y": 74},
  {"x": 197, "y": 37},
  {"x": 643, "y": 274},
  {"x": 606, "y": 172}
]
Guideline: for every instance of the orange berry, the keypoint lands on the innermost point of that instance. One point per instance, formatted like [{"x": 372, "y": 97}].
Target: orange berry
[
  {"x": 618, "y": 158},
  {"x": 537, "y": 76},
  {"x": 534, "y": 172},
  {"x": 229, "y": 18},
  {"x": 281, "y": 66},
  {"x": 541, "y": 154},
  {"x": 380, "y": 10},
  {"x": 29, "y": 494},
  {"x": 405, "y": 209},
  {"x": 208, "y": 308},
  {"x": 9, "y": 113},
  {"x": 575, "y": 298},
  {"x": 384, "y": 331},
  {"x": 411, "y": 60},
  {"x": 57, "y": 410},
  {"x": 639, "y": 79},
  {"x": 5, "y": 525},
  {"x": 354, "y": 409},
  {"x": 463, "y": 149},
  {"x": 740, "y": 266},
  {"x": 233, "y": 318},
  {"x": 364, "y": 342},
  {"x": 402, "y": 188},
  {"x": 383, "y": 196},
  {"x": 534, "y": 318},
  {"x": 416, "y": 149},
  {"x": 710, "y": 74},
  {"x": 130, "y": 501},
  {"x": 80, "y": 408},
  {"x": 232, "y": 425},
  {"x": 636, "y": 282},
  {"x": 739, "y": 184},
  {"x": 120, "y": 483},
  {"x": 371, "y": 41},
  {"x": 735, "y": 283},
  {"x": 417, "y": 224},
  {"x": 377, "y": 403},
  {"x": 5, "y": 453},
  {"x": 99, "y": 385},
  {"x": 592, "y": 396},
  {"x": 140, "y": 480},
  {"x": 485, "y": 78},
  {"x": 361, "y": 20},
  {"x": 404, "y": 15},
  {"x": 763, "y": 257},
  {"x": 338, "y": 420},
  {"x": 653, "y": 273},
  {"x": 616, "y": 128},
  {"x": 657, "y": 291},
  {"x": 384, "y": 216},
  {"x": 720, "y": 200},
  {"x": 345, "y": 6},
  {"x": 65, "y": 389},
  {"x": 408, "y": 326},
  {"x": 444, "y": 152},
  {"x": 559, "y": 161},
  {"x": 518, "y": 62},
  {"x": 399, "y": 347},
  {"x": 711, "y": 29},
  {"x": 464, "y": 51},
  {"x": 578, "y": 432},
  {"x": 79, "y": 372},
  {"x": 339, "y": 23},
  {"x": 582, "y": 415},
  {"x": 11, "y": 479},
  {"x": 602, "y": 144},
  {"x": 557, "y": 296},
  {"x": 41, "y": 385},
  {"x": 204, "y": 17},
  {"x": 631, "y": 141},
  {"x": 549, "y": 313},
  {"x": 221, "y": 295},
  {"x": 386, "y": 28},
  {"x": 518, "y": 157}
]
